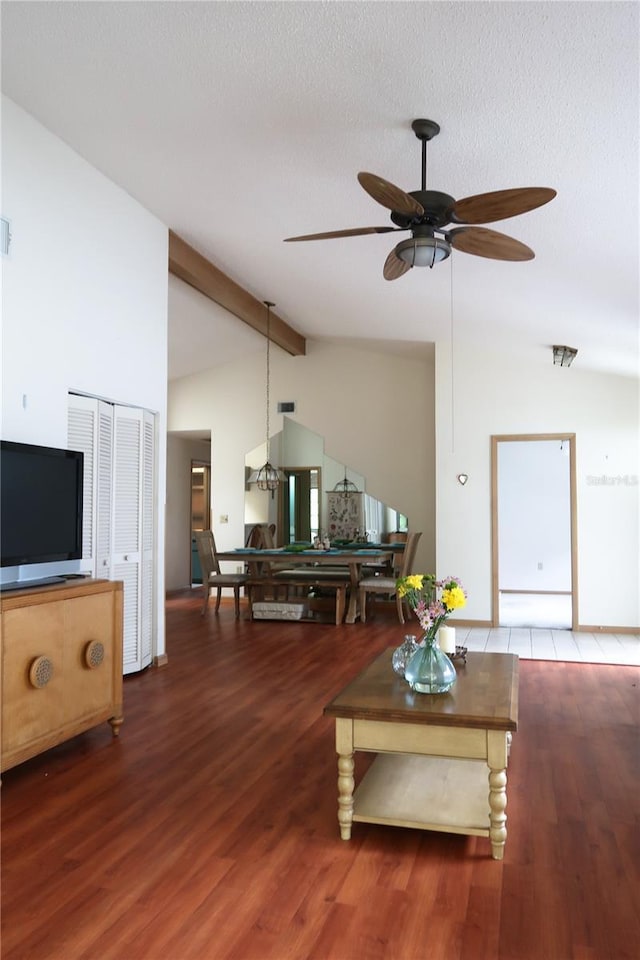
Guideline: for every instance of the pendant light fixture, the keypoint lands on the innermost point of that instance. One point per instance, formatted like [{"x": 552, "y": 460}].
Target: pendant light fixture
[
  {"x": 346, "y": 488},
  {"x": 267, "y": 477}
]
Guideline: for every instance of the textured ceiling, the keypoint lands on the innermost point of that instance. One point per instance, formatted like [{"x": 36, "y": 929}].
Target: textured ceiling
[{"x": 239, "y": 124}]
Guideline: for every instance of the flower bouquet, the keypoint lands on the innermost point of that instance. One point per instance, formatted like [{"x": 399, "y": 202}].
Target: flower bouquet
[{"x": 433, "y": 601}]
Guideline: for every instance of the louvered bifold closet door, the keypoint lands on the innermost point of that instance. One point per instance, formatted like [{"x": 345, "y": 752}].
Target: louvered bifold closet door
[
  {"x": 118, "y": 522},
  {"x": 127, "y": 525},
  {"x": 148, "y": 527},
  {"x": 82, "y": 429},
  {"x": 90, "y": 429},
  {"x": 104, "y": 491}
]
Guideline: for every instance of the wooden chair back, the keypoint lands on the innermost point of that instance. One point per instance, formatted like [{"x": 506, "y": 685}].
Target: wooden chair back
[
  {"x": 207, "y": 553},
  {"x": 261, "y": 537},
  {"x": 397, "y": 537},
  {"x": 371, "y": 586},
  {"x": 409, "y": 554}
]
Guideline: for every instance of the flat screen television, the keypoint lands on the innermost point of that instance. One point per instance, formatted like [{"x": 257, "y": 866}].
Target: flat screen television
[{"x": 40, "y": 504}]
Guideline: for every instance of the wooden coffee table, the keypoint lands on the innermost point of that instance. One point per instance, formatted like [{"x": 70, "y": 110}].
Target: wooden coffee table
[{"x": 433, "y": 751}]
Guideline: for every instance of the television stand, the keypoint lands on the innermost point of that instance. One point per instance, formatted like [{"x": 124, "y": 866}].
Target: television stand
[
  {"x": 28, "y": 584},
  {"x": 61, "y": 656}
]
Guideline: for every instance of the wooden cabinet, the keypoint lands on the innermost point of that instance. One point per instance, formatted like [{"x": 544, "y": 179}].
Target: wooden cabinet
[{"x": 60, "y": 663}]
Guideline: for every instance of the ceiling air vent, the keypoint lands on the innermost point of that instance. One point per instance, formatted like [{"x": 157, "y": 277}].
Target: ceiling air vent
[{"x": 286, "y": 406}]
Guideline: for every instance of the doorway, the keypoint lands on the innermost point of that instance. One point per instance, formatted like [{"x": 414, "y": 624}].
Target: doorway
[
  {"x": 534, "y": 538},
  {"x": 200, "y": 510},
  {"x": 299, "y": 505}
]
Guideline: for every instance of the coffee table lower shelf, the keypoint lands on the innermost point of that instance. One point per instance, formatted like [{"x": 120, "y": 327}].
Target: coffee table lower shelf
[{"x": 427, "y": 793}]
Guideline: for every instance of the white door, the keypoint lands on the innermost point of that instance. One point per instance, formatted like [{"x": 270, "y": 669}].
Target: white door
[
  {"x": 118, "y": 523},
  {"x": 127, "y": 525},
  {"x": 90, "y": 429},
  {"x": 147, "y": 606},
  {"x": 104, "y": 490},
  {"x": 82, "y": 419}
]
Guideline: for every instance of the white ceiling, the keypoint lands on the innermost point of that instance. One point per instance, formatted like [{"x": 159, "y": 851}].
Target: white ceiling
[{"x": 239, "y": 124}]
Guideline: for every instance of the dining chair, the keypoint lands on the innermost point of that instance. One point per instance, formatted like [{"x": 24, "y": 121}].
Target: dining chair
[
  {"x": 261, "y": 536},
  {"x": 372, "y": 586},
  {"x": 211, "y": 575}
]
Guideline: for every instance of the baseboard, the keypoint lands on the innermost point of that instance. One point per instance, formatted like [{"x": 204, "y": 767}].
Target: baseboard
[
  {"x": 161, "y": 660},
  {"x": 585, "y": 628}
]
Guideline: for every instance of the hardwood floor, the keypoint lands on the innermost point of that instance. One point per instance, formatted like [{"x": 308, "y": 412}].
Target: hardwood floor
[{"x": 209, "y": 830}]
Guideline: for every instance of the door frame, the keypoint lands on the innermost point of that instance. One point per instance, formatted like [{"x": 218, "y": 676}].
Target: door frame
[
  {"x": 573, "y": 516},
  {"x": 196, "y": 464},
  {"x": 283, "y": 492}
]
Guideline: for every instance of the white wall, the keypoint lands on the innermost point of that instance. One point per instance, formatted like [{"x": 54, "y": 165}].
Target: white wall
[
  {"x": 180, "y": 452},
  {"x": 495, "y": 395},
  {"x": 84, "y": 297},
  {"x": 374, "y": 411}
]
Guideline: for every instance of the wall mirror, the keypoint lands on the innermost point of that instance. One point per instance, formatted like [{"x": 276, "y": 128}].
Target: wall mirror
[{"x": 306, "y": 503}]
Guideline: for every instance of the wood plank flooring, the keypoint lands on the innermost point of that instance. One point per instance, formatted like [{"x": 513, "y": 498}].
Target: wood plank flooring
[{"x": 209, "y": 830}]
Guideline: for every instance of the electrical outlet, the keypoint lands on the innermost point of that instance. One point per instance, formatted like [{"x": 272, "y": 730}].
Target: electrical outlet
[
  {"x": 224, "y": 518},
  {"x": 540, "y": 565}
]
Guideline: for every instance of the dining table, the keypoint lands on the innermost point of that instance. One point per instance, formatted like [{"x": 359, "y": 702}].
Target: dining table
[{"x": 352, "y": 559}]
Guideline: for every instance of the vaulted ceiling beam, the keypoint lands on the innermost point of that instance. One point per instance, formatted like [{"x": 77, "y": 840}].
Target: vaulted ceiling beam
[{"x": 186, "y": 263}]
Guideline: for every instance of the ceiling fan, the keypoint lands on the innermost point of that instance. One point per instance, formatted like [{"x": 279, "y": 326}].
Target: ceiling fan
[{"x": 427, "y": 214}]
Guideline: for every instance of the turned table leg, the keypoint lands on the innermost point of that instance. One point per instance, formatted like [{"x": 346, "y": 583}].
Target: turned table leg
[
  {"x": 498, "y": 751},
  {"x": 344, "y": 749},
  {"x": 345, "y": 794},
  {"x": 497, "y": 817}
]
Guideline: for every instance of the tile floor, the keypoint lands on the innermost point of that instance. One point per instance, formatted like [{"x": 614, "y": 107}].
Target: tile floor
[{"x": 532, "y": 643}]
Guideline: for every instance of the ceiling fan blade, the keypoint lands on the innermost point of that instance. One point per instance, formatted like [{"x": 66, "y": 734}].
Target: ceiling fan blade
[
  {"x": 394, "y": 267},
  {"x": 390, "y": 196},
  {"x": 333, "y": 234},
  {"x": 500, "y": 205},
  {"x": 482, "y": 242}
]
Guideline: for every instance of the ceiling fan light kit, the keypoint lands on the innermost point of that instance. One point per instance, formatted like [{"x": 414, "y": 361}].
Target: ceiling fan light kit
[
  {"x": 427, "y": 212},
  {"x": 423, "y": 251}
]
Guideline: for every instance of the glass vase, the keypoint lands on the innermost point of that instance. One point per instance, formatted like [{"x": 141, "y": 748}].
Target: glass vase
[
  {"x": 403, "y": 653},
  {"x": 430, "y": 670}
]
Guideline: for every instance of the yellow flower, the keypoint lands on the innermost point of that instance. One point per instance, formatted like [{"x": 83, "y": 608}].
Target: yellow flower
[
  {"x": 413, "y": 582},
  {"x": 454, "y": 598}
]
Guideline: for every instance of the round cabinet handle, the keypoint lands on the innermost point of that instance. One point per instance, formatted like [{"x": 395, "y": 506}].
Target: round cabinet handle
[
  {"x": 40, "y": 672},
  {"x": 105, "y": 563},
  {"x": 126, "y": 557},
  {"x": 94, "y": 654}
]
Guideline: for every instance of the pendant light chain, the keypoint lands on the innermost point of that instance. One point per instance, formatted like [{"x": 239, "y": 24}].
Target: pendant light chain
[
  {"x": 268, "y": 477},
  {"x": 268, "y": 305}
]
